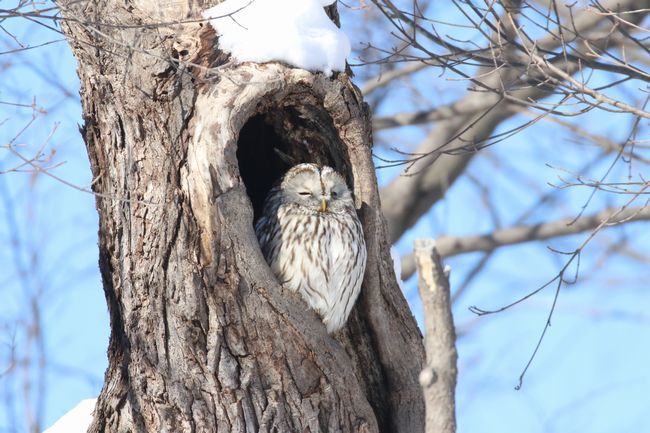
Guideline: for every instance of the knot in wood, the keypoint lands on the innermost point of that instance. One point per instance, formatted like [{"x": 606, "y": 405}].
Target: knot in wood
[{"x": 428, "y": 377}]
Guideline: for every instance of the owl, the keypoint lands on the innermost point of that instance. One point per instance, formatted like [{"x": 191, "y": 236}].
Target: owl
[{"x": 312, "y": 239}]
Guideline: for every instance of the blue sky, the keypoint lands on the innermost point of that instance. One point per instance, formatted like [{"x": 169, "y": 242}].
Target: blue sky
[
  {"x": 590, "y": 374},
  {"x": 55, "y": 228}
]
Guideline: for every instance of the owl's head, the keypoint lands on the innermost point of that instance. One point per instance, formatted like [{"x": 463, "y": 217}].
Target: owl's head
[{"x": 317, "y": 189}]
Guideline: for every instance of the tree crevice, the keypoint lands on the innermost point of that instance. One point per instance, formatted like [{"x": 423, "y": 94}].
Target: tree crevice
[{"x": 274, "y": 140}]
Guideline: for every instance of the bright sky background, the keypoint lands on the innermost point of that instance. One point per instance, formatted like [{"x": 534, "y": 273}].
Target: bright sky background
[{"x": 590, "y": 374}]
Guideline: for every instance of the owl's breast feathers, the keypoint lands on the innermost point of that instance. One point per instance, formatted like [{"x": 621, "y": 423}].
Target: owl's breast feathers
[
  {"x": 313, "y": 241},
  {"x": 321, "y": 256}
]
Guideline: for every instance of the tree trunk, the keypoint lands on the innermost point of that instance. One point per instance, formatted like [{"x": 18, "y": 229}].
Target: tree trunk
[{"x": 184, "y": 144}]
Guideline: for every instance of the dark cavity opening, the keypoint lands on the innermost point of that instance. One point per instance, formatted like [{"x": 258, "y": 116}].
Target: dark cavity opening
[{"x": 273, "y": 141}]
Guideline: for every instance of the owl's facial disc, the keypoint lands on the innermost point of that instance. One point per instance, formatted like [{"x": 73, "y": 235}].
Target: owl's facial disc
[{"x": 319, "y": 190}]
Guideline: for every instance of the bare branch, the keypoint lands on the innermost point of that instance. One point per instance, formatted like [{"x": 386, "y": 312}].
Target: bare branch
[
  {"x": 500, "y": 92},
  {"x": 448, "y": 246},
  {"x": 466, "y": 106},
  {"x": 384, "y": 79}
]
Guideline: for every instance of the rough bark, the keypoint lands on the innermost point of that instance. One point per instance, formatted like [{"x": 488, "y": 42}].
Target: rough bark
[{"x": 181, "y": 140}]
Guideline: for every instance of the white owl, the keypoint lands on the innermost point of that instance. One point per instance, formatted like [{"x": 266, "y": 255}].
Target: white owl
[{"x": 313, "y": 241}]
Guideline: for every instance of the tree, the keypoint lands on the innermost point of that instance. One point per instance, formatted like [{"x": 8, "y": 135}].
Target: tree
[
  {"x": 201, "y": 332},
  {"x": 181, "y": 143}
]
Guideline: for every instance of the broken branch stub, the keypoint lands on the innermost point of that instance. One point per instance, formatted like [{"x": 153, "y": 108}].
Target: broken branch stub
[{"x": 438, "y": 378}]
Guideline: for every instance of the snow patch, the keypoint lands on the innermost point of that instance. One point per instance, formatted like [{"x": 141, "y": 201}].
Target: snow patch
[
  {"x": 297, "y": 32},
  {"x": 77, "y": 420}
]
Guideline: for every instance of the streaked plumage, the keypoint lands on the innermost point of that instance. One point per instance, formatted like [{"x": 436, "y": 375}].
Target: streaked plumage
[{"x": 313, "y": 241}]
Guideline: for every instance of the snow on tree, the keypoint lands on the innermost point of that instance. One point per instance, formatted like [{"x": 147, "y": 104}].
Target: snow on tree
[
  {"x": 76, "y": 420},
  {"x": 299, "y": 33}
]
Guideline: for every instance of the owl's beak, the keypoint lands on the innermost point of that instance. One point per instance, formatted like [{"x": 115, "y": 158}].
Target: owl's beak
[{"x": 323, "y": 205}]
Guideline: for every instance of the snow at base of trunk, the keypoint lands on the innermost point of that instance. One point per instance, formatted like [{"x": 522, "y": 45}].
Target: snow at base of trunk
[
  {"x": 297, "y": 32},
  {"x": 77, "y": 420}
]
